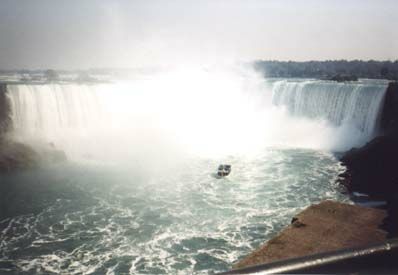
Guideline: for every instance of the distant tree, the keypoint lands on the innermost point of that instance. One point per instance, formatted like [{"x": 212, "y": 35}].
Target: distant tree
[
  {"x": 329, "y": 69},
  {"x": 51, "y": 75},
  {"x": 384, "y": 71}
]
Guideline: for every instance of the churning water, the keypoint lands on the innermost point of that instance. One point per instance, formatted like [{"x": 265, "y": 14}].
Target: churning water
[{"x": 138, "y": 193}]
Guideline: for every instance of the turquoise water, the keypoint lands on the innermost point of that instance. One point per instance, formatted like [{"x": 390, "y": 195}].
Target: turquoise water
[{"x": 86, "y": 218}]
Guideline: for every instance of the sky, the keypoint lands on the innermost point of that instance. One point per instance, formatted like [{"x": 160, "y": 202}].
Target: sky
[{"x": 81, "y": 34}]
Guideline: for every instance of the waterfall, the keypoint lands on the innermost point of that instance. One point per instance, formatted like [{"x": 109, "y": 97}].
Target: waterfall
[
  {"x": 355, "y": 104},
  {"x": 67, "y": 116},
  {"x": 204, "y": 113},
  {"x": 53, "y": 108}
]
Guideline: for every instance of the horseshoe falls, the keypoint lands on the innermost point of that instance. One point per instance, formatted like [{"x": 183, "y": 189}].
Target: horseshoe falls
[
  {"x": 355, "y": 105},
  {"x": 138, "y": 192}
]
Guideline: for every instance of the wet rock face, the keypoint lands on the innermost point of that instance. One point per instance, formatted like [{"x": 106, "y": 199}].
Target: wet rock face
[
  {"x": 5, "y": 110},
  {"x": 16, "y": 156},
  {"x": 389, "y": 117},
  {"x": 373, "y": 168}
]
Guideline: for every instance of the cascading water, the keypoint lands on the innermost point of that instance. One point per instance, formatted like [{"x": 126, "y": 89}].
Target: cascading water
[
  {"x": 90, "y": 217},
  {"x": 354, "y": 104},
  {"x": 202, "y": 113},
  {"x": 38, "y": 109}
]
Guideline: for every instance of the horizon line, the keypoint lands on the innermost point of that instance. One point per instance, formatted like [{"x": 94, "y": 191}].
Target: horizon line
[{"x": 163, "y": 66}]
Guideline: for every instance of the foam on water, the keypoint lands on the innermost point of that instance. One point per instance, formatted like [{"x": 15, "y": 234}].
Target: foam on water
[
  {"x": 138, "y": 195},
  {"x": 113, "y": 221}
]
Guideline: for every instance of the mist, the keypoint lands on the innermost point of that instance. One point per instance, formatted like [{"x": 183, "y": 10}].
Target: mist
[{"x": 185, "y": 113}]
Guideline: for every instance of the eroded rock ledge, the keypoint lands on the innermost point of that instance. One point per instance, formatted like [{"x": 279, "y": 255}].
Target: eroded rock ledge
[
  {"x": 322, "y": 227},
  {"x": 16, "y": 156}
]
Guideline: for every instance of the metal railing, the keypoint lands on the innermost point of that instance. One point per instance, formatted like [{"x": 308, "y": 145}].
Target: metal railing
[{"x": 379, "y": 258}]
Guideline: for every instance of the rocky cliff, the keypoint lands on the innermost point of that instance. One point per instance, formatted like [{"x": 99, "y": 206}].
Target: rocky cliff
[
  {"x": 389, "y": 116},
  {"x": 5, "y": 119},
  {"x": 373, "y": 168}
]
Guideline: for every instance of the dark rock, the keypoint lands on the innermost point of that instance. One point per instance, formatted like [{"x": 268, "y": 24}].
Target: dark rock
[
  {"x": 373, "y": 169},
  {"x": 5, "y": 110},
  {"x": 298, "y": 224},
  {"x": 16, "y": 156},
  {"x": 391, "y": 222},
  {"x": 389, "y": 116}
]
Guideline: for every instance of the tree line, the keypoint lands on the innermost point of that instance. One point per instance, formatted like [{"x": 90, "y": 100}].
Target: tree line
[{"x": 330, "y": 69}]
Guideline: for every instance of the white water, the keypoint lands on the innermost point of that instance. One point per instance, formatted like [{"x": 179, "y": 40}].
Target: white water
[
  {"x": 352, "y": 105},
  {"x": 200, "y": 112}
]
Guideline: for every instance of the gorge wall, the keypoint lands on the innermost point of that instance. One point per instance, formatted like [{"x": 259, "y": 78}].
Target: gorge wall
[
  {"x": 5, "y": 111},
  {"x": 373, "y": 169},
  {"x": 389, "y": 118}
]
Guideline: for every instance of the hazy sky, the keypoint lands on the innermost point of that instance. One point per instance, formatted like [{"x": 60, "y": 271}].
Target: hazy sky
[{"x": 129, "y": 33}]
